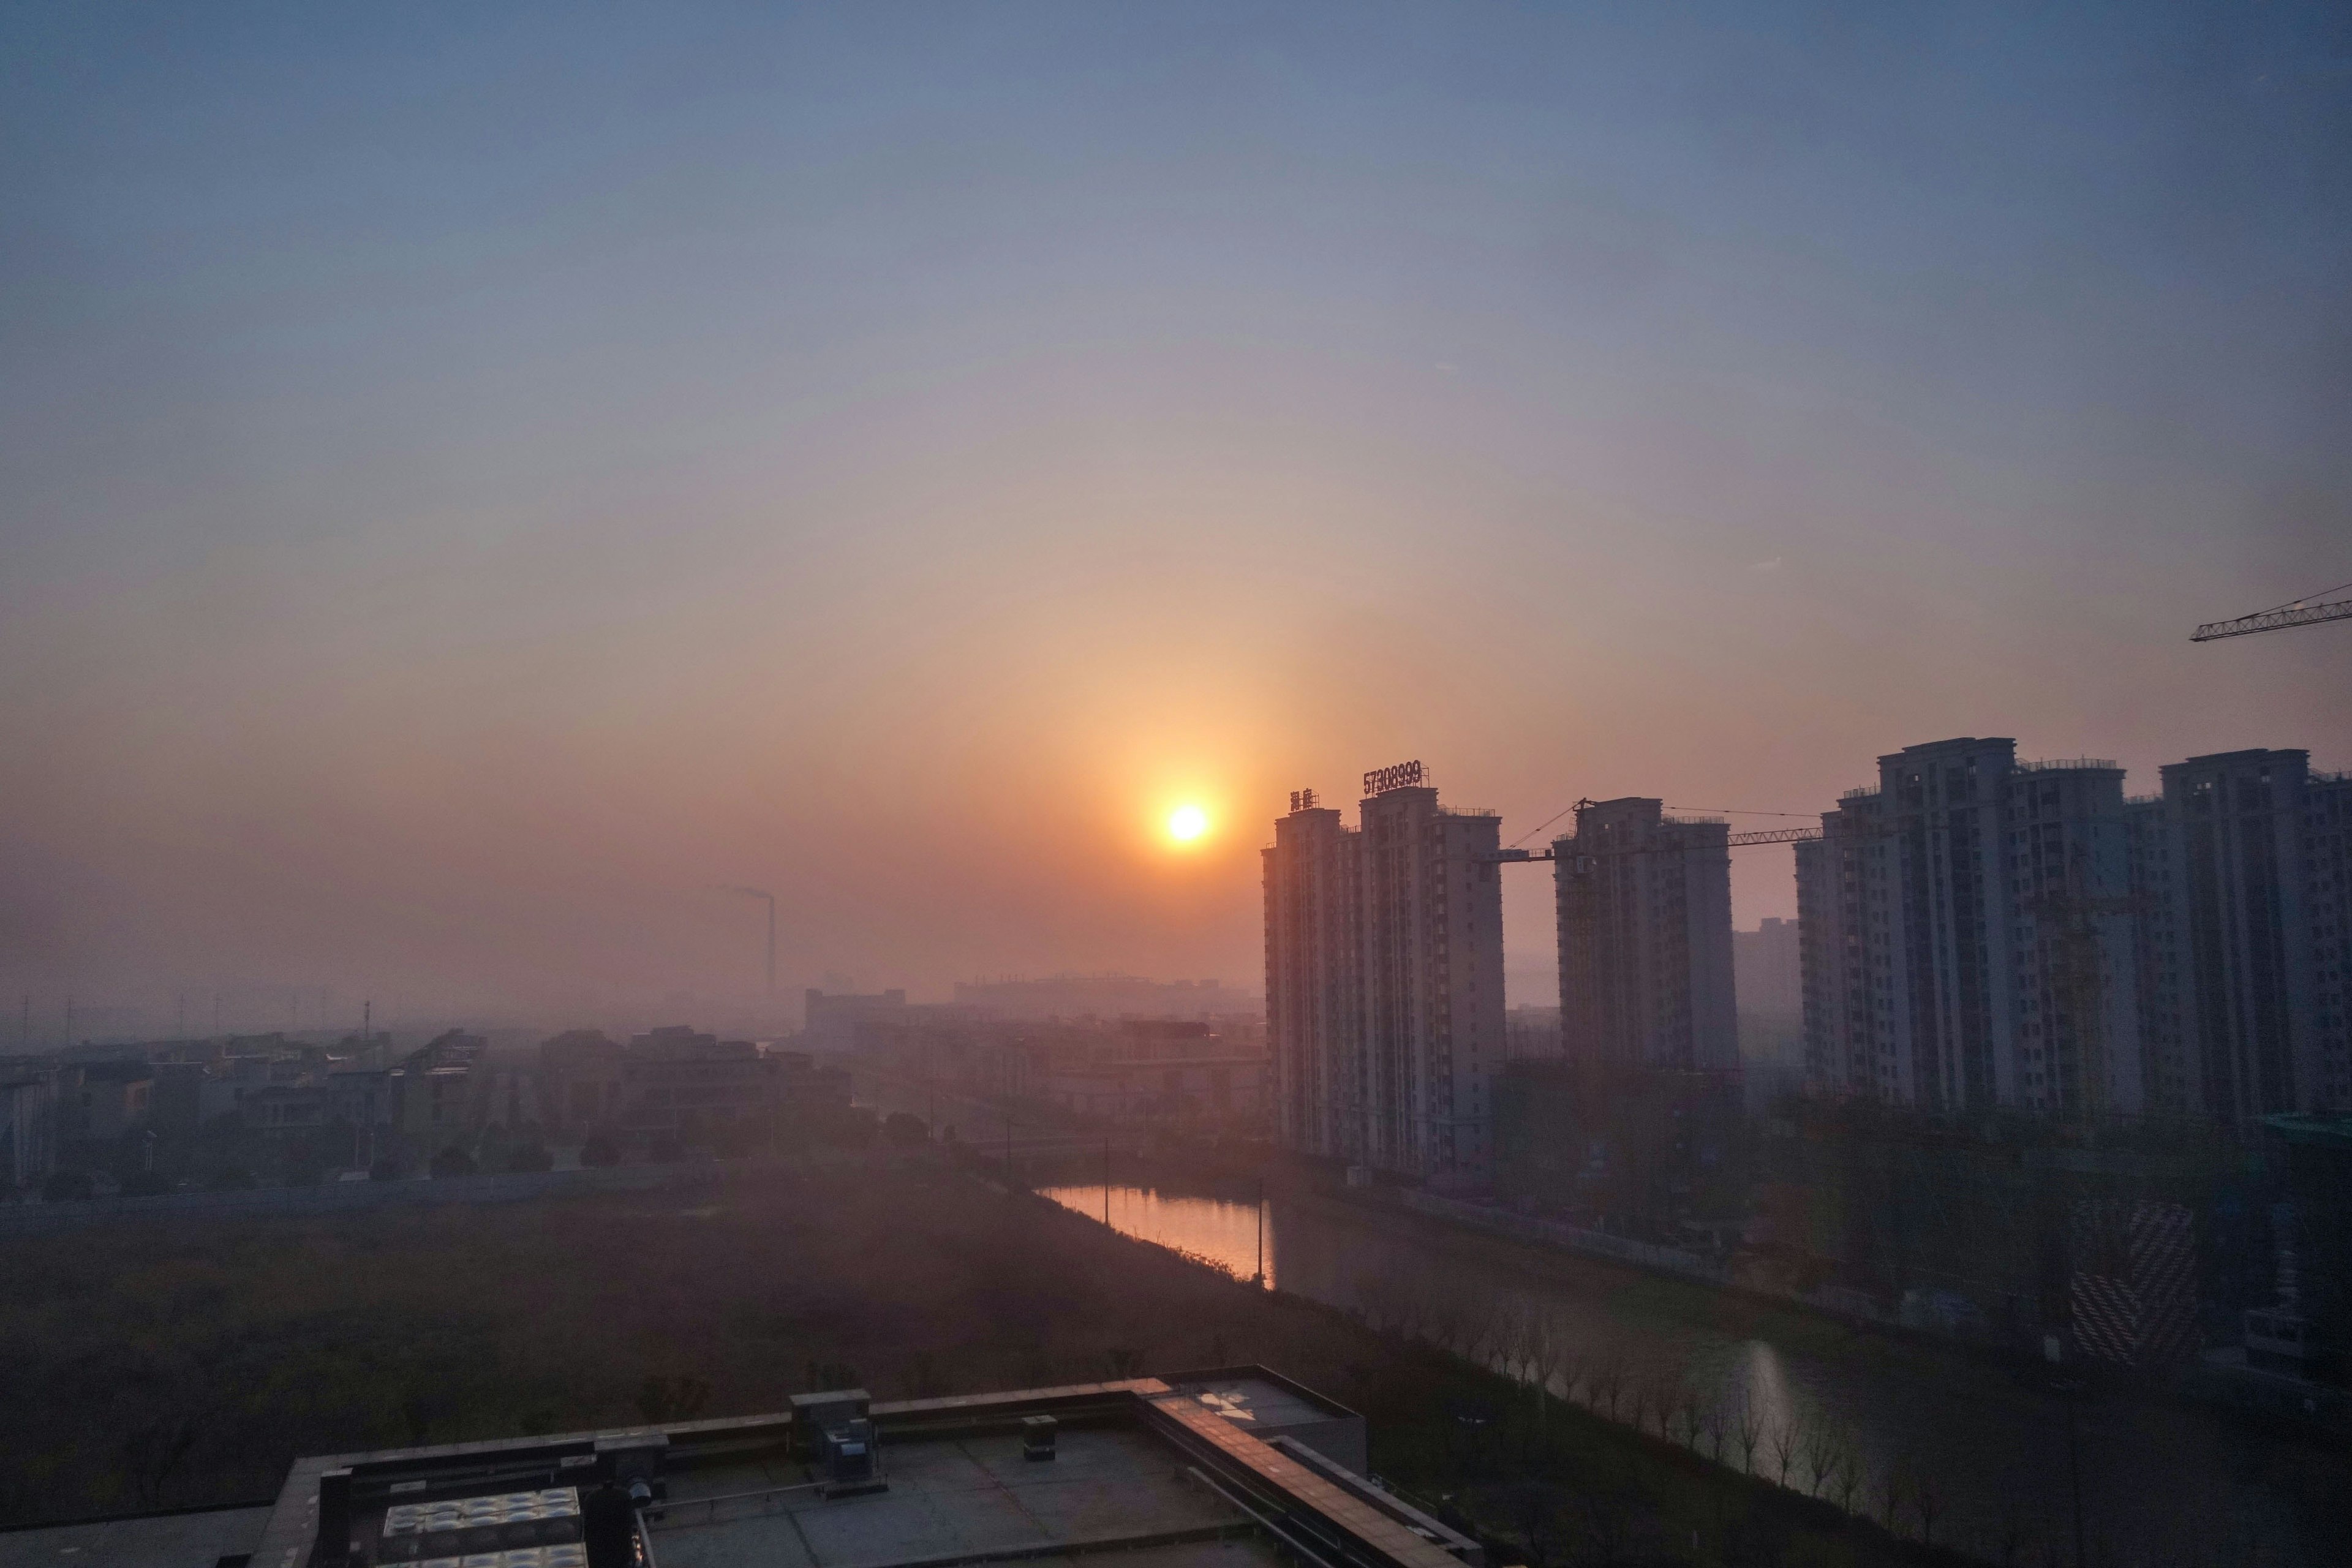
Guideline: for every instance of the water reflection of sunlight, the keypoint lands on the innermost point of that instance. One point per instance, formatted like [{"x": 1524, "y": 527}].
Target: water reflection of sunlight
[{"x": 1225, "y": 1234}]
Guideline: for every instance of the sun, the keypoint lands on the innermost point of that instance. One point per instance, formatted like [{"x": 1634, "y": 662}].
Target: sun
[{"x": 1187, "y": 823}]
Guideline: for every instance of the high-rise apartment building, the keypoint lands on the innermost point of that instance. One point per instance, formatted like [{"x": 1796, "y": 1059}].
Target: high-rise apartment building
[
  {"x": 1384, "y": 978},
  {"x": 1644, "y": 903},
  {"x": 2077, "y": 1034},
  {"x": 1968, "y": 940},
  {"x": 2242, "y": 866},
  {"x": 1767, "y": 978},
  {"x": 2328, "y": 905},
  {"x": 1977, "y": 931},
  {"x": 1315, "y": 982},
  {"x": 1946, "y": 927},
  {"x": 2168, "y": 1067},
  {"x": 1848, "y": 985}
]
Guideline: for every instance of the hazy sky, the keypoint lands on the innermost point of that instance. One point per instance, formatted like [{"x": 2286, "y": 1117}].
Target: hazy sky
[{"x": 475, "y": 479}]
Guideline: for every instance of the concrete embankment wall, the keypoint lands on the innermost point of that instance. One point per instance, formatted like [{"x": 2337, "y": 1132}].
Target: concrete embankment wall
[{"x": 1591, "y": 1243}]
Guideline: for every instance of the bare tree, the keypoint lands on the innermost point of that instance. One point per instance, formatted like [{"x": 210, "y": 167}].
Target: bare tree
[
  {"x": 1716, "y": 1421},
  {"x": 1788, "y": 1437},
  {"x": 1510, "y": 1337},
  {"x": 1546, "y": 1350},
  {"x": 1506, "y": 1339},
  {"x": 1523, "y": 1328},
  {"x": 1450, "y": 1312},
  {"x": 1750, "y": 1428},
  {"x": 1927, "y": 1501},
  {"x": 1574, "y": 1366},
  {"x": 1412, "y": 1307},
  {"x": 154, "y": 1453},
  {"x": 1486, "y": 1331},
  {"x": 1406, "y": 1308},
  {"x": 1609, "y": 1381},
  {"x": 1693, "y": 1414},
  {"x": 1848, "y": 1477},
  {"x": 1821, "y": 1455},
  {"x": 1893, "y": 1489}
]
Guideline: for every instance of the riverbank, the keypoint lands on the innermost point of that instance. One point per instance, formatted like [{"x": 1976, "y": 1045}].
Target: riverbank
[
  {"x": 2285, "y": 1409},
  {"x": 2154, "y": 1473}
]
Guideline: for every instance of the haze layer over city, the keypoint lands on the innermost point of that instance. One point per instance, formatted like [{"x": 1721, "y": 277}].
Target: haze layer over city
[
  {"x": 1297, "y": 786},
  {"x": 476, "y": 485}
]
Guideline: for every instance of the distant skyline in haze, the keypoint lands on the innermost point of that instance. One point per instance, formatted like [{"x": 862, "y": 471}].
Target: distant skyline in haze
[{"x": 475, "y": 483}]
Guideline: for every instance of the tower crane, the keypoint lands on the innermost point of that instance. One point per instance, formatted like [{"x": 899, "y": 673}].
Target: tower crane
[
  {"x": 2294, "y": 613},
  {"x": 1518, "y": 856},
  {"x": 1733, "y": 841}
]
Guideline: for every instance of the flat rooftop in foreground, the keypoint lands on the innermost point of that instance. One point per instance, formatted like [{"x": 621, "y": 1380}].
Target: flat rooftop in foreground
[
  {"x": 1236, "y": 1467},
  {"x": 960, "y": 1499}
]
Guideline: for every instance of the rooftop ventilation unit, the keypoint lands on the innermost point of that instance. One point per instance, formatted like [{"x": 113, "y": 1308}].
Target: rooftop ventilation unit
[
  {"x": 852, "y": 1461},
  {"x": 814, "y": 1415}
]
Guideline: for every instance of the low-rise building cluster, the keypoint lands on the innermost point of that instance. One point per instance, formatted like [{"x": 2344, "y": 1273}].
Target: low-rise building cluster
[
  {"x": 232, "y": 1111},
  {"x": 1178, "y": 1074}
]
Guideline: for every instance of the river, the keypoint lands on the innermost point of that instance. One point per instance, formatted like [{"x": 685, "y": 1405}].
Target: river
[{"x": 2160, "y": 1484}]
